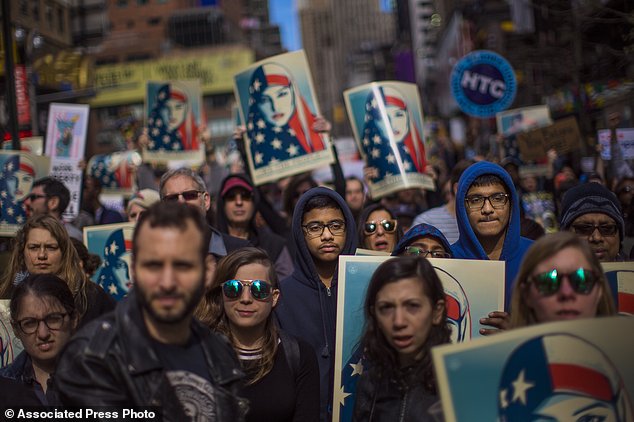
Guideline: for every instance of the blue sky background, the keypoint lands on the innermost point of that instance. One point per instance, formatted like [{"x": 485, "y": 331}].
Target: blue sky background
[{"x": 284, "y": 14}]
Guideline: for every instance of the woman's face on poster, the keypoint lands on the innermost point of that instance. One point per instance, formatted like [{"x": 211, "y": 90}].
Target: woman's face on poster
[
  {"x": 573, "y": 408},
  {"x": 277, "y": 104},
  {"x": 399, "y": 122},
  {"x": 177, "y": 110},
  {"x": 20, "y": 185}
]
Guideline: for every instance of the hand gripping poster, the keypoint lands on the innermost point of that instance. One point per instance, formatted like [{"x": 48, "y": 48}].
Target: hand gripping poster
[
  {"x": 18, "y": 171},
  {"x": 65, "y": 144},
  {"x": 174, "y": 119},
  {"x": 472, "y": 289},
  {"x": 387, "y": 122},
  {"x": 277, "y": 103},
  {"x": 565, "y": 371},
  {"x": 113, "y": 244},
  {"x": 116, "y": 172}
]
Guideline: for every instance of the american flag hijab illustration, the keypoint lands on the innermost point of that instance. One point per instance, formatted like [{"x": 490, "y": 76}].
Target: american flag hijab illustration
[
  {"x": 387, "y": 122},
  {"x": 171, "y": 125},
  {"x": 279, "y": 121},
  {"x": 556, "y": 376},
  {"x": 16, "y": 180},
  {"x": 114, "y": 275}
]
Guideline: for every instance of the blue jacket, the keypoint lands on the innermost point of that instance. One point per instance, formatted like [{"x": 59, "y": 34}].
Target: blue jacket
[
  {"x": 307, "y": 309},
  {"x": 468, "y": 246},
  {"x": 418, "y": 231}
]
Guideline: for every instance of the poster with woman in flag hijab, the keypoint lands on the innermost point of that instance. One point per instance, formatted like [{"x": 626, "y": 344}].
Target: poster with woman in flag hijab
[
  {"x": 175, "y": 117},
  {"x": 18, "y": 171},
  {"x": 277, "y": 102},
  {"x": 116, "y": 172},
  {"x": 387, "y": 122}
]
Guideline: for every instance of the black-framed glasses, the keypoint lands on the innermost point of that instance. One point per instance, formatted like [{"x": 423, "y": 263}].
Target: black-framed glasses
[
  {"x": 371, "y": 226},
  {"x": 418, "y": 251},
  {"x": 497, "y": 201},
  {"x": 549, "y": 282},
  {"x": 315, "y": 229},
  {"x": 233, "y": 194},
  {"x": 53, "y": 321},
  {"x": 588, "y": 229},
  {"x": 259, "y": 289},
  {"x": 188, "y": 195},
  {"x": 34, "y": 196}
]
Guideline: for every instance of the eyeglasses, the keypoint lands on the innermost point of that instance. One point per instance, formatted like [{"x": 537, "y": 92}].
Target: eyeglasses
[
  {"x": 244, "y": 195},
  {"x": 53, "y": 321},
  {"x": 32, "y": 197},
  {"x": 315, "y": 229},
  {"x": 588, "y": 229},
  {"x": 497, "y": 201},
  {"x": 188, "y": 195},
  {"x": 416, "y": 251},
  {"x": 548, "y": 283},
  {"x": 626, "y": 189},
  {"x": 388, "y": 225},
  {"x": 260, "y": 289}
]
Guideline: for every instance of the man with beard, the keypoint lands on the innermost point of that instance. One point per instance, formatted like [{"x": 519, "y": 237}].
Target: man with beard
[{"x": 151, "y": 351}]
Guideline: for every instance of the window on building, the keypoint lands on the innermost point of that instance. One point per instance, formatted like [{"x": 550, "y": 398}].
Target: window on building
[
  {"x": 48, "y": 15},
  {"x": 24, "y": 7},
  {"x": 60, "y": 20},
  {"x": 154, "y": 21},
  {"x": 36, "y": 11}
]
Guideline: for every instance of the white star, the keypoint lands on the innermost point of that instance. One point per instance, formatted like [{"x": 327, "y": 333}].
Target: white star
[
  {"x": 291, "y": 132},
  {"x": 373, "y": 102},
  {"x": 503, "y": 402},
  {"x": 10, "y": 167},
  {"x": 106, "y": 253},
  {"x": 520, "y": 386},
  {"x": 366, "y": 141},
  {"x": 261, "y": 124},
  {"x": 377, "y": 139},
  {"x": 257, "y": 84},
  {"x": 161, "y": 95},
  {"x": 277, "y": 144},
  {"x": 166, "y": 138},
  {"x": 112, "y": 289},
  {"x": 19, "y": 219},
  {"x": 159, "y": 122},
  {"x": 113, "y": 247},
  {"x": 390, "y": 158},
  {"x": 258, "y": 157},
  {"x": 292, "y": 150},
  {"x": 273, "y": 160},
  {"x": 388, "y": 173},
  {"x": 407, "y": 165},
  {"x": 406, "y": 149},
  {"x": 150, "y": 121},
  {"x": 250, "y": 126},
  {"x": 259, "y": 138},
  {"x": 277, "y": 129},
  {"x": 342, "y": 396},
  {"x": 10, "y": 211},
  {"x": 176, "y": 146},
  {"x": 376, "y": 153},
  {"x": 155, "y": 132},
  {"x": 3, "y": 193},
  {"x": 151, "y": 144},
  {"x": 357, "y": 368}
]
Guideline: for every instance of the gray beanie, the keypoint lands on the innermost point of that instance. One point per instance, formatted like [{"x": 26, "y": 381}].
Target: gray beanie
[{"x": 590, "y": 198}]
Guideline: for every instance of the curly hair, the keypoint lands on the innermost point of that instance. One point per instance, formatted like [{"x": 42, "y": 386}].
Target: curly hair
[
  {"x": 382, "y": 356},
  {"x": 542, "y": 249},
  {"x": 70, "y": 271},
  {"x": 210, "y": 310}
]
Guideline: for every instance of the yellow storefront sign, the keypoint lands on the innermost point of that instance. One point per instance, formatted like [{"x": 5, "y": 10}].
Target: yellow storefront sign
[{"x": 118, "y": 84}]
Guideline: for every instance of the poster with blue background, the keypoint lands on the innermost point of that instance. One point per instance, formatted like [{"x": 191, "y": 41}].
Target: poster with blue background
[
  {"x": 473, "y": 289},
  {"x": 113, "y": 244},
  {"x": 387, "y": 121},
  {"x": 278, "y": 106},
  {"x": 565, "y": 371}
]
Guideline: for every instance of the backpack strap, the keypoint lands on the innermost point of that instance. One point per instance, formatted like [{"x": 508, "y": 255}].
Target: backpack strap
[{"x": 291, "y": 351}]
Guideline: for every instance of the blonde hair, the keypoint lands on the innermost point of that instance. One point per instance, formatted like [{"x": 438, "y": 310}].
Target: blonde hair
[
  {"x": 544, "y": 248},
  {"x": 70, "y": 271}
]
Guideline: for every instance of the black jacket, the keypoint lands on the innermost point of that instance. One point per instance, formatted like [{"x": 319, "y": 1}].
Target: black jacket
[{"x": 111, "y": 362}]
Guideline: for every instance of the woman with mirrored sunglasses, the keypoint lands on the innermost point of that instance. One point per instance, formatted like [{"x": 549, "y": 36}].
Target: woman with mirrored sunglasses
[
  {"x": 282, "y": 372},
  {"x": 44, "y": 318},
  {"x": 560, "y": 279},
  {"x": 378, "y": 229}
]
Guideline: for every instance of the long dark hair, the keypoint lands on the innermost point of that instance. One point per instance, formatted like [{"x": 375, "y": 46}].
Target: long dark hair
[
  {"x": 211, "y": 311},
  {"x": 381, "y": 355},
  {"x": 43, "y": 286},
  {"x": 365, "y": 213}
]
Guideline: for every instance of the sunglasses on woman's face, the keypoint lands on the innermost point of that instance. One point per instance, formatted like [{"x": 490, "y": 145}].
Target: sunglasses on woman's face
[
  {"x": 548, "y": 283},
  {"x": 371, "y": 226},
  {"x": 259, "y": 289}
]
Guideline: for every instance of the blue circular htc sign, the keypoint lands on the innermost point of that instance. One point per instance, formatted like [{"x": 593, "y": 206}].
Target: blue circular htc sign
[{"x": 483, "y": 83}]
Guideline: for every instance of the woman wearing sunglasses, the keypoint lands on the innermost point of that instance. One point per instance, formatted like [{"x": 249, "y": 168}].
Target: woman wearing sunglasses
[
  {"x": 560, "y": 279},
  {"x": 43, "y": 317},
  {"x": 282, "y": 372},
  {"x": 405, "y": 317},
  {"x": 378, "y": 229}
]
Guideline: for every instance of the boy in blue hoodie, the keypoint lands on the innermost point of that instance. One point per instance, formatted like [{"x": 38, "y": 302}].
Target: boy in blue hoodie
[
  {"x": 323, "y": 228},
  {"x": 488, "y": 214}
]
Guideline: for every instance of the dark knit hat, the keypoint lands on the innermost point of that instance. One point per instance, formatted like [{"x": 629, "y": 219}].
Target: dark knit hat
[{"x": 590, "y": 198}]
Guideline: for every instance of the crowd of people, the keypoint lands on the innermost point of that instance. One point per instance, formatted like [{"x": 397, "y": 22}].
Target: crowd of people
[{"x": 233, "y": 310}]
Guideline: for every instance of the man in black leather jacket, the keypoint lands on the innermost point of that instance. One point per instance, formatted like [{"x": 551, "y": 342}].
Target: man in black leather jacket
[{"x": 151, "y": 351}]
